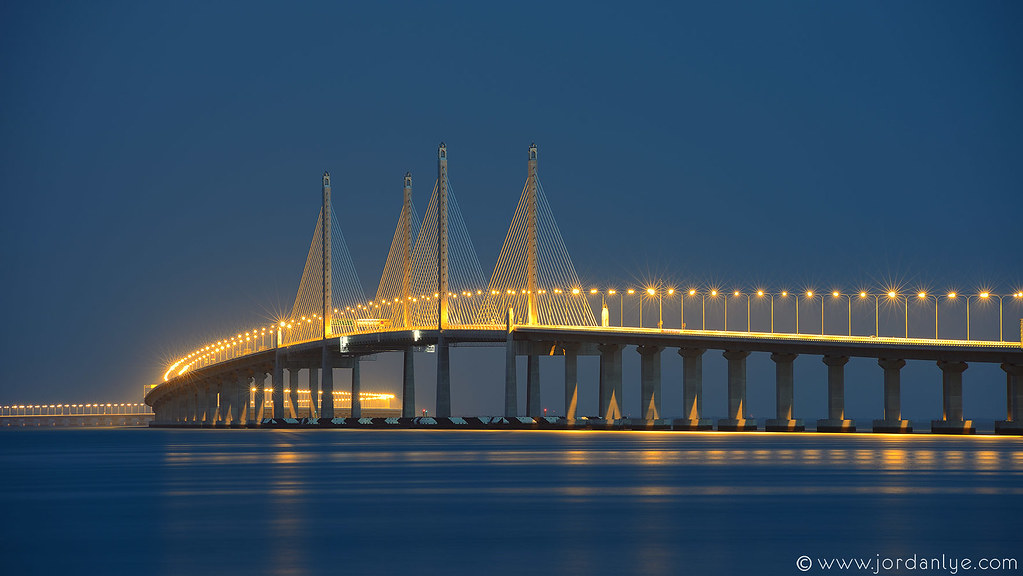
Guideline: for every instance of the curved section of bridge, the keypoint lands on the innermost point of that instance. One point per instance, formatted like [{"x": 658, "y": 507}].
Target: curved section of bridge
[{"x": 432, "y": 293}]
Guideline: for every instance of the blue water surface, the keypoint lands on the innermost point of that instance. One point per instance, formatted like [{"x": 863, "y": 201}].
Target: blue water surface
[{"x": 141, "y": 501}]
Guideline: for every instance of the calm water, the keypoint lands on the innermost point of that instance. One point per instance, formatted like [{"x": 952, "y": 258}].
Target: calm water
[{"x": 139, "y": 501}]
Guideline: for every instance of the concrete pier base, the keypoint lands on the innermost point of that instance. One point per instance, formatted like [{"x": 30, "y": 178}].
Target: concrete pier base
[
  {"x": 692, "y": 424},
  {"x": 1009, "y": 427},
  {"x": 952, "y": 427},
  {"x": 737, "y": 425},
  {"x": 784, "y": 425},
  {"x": 836, "y": 425},
  {"x": 893, "y": 427}
]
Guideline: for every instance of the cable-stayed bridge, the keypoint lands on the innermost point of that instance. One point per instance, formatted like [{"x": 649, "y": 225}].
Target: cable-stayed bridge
[{"x": 433, "y": 293}]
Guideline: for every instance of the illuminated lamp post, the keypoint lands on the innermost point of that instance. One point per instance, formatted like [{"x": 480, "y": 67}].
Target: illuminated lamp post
[
  {"x": 737, "y": 294},
  {"x": 848, "y": 297},
  {"x": 923, "y": 296}
]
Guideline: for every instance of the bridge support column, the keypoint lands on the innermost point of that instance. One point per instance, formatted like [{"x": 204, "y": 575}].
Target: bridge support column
[
  {"x": 783, "y": 395},
  {"x": 737, "y": 420},
  {"x": 650, "y": 382},
  {"x": 571, "y": 381},
  {"x": 210, "y": 405},
  {"x": 240, "y": 402},
  {"x": 258, "y": 400},
  {"x": 952, "y": 401},
  {"x": 314, "y": 392},
  {"x": 836, "y": 421},
  {"x": 1013, "y": 423},
  {"x": 511, "y": 382},
  {"x": 534, "y": 408},
  {"x": 277, "y": 394},
  {"x": 892, "y": 423},
  {"x": 443, "y": 377},
  {"x": 408, "y": 385},
  {"x": 223, "y": 405},
  {"x": 356, "y": 410},
  {"x": 610, "y": 381},
  {"x": 293, "y": 392},
  {"x": 327, "y": 397},
  {"x": 692, "y": 392},
  {"x": 187, "y": 409}
]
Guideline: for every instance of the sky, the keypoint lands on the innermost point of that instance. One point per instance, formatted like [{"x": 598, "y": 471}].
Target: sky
[{"x": 160, "y": 163}]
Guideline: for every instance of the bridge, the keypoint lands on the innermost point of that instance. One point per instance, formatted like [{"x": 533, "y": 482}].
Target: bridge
[{"x": 433, "y": 295}]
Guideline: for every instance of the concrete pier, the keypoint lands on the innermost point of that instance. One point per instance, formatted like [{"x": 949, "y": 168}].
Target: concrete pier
[
  {"x": 208, "y": 401},
  {"x": 783, "y": 394},
  {"x": 293, "y": 392},
  {"x": 408, "y": 384},
  {"x": 892, "y": 423},
  {"x": 314, "y": 392},
  {"x": 610, "y": 381},
  {"x": 256, "y": 413},
  {"x": 1013, "y": 423},
  {"x": 952, "y": 421},
  {"x": 650, "y": 382},
  {"x": 327, "y": 384},
  {"x": 534, "y": 406},
  {"x": 836, "y": 421},
  {"x": 223, "y": 404},
  {"x": 356, "y": 411},
  {"x": 692, "y": 392},
  {"x": 443, "y": 377},
  {"x": 737, "y": 420},
  {"x": 187, "y": 408},
  {"x": 511, "y": 383},
  {"x": 277, "y": 391},
  {"x": 571, "y": 381},
  {"x": 240, "y": 402}
]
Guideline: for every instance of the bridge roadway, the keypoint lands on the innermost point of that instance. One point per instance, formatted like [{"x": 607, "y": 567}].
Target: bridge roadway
[{"x": 219, "y": 394}]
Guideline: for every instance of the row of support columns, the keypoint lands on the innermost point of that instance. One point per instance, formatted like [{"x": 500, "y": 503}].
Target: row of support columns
[
  {"x": 226, "y": 403},
  {"x": 610, "y": 391}
]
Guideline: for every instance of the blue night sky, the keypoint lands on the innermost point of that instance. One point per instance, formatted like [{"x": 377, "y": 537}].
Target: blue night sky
[{"x": 161, "y": 165}]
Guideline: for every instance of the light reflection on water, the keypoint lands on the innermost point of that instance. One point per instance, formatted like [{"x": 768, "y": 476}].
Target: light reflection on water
[{"x": 311, "y": 501}]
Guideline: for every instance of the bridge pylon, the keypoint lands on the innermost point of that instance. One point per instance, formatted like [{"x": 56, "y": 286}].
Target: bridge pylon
[
  {"x": 534, "y": 274},
  {"x": 330, "y": 299}
]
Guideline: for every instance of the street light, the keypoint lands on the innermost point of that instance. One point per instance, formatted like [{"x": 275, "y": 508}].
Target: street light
[
  {"x": 761, "y": 294},
  {"x": 848, "y": 297},
  {"x": 660, "y": 307},
  {"x": 713, "y": 294},
  {"x": 737, "y": 294},
  {"x": 893, "y": 295},
  {"x": 809, "y": 296},
  {"x": 923, "y": 296},
  {"x": 984, "y": 296}
]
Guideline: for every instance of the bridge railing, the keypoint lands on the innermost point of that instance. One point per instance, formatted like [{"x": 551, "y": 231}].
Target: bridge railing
[{"x": 658, "y": 306}]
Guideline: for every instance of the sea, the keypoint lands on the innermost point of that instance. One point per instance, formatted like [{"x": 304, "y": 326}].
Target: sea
[{"x": 305, "y": 501}]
